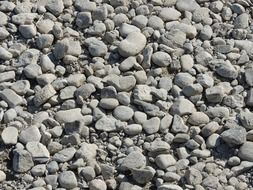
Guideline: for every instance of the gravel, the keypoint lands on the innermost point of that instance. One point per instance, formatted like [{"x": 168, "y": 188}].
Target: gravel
[{"x": 125, "y": 94}]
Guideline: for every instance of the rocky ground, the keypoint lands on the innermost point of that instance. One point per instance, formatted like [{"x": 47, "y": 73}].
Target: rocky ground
[{"x": 126, "y": 94}]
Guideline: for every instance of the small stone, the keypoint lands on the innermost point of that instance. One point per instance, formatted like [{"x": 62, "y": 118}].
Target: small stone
[
  {"x": 5, "y": 54},
  {"x": 67, "y": 179},
  {"x": 215, "y": 94},
  {"x": 245, "y": 151},
  {"x": 32, "y": 71},
  {"x": 178, "y": 125},
  {"x": 3, "y": 33},
  {"x": 83, "y": 19},
  {"x": 108, "y": 103},
  {"x": 22, "y": 161},
  {"x": 30, "y": 134},
  {"x": 193, "y": 176},
  {"x": 55, "y": 6},
  {"x": 151, "y": 126},
  {"x": 161, "y": 59},
  {"x": 64, "y": 155},
  {"x": 169, "y": 186},
  {"x": 10, "y": 135},
  {"x": 43, "y": 95},
  {"x": 163, "y": 161},
  {"x": 198, "y": 118},
  {"x": 143, "y": 175},
  {"x": 169, "y": 14},
  {"x": 246, "y": 119},
  {"x": 123, "y": 113},
  {"x": 210, "y": 182},
  {"x": 27, "y": 31},
  {"x": 182, "y": 106},
  {"x": 130, "y": 47},
  {"x": 133, "y": 129},
  {"x": 85, "y": 91},
  {"x": 185, "y": 5},
  {"x": 155, "y": 22},
  {"x": 97, "y": 184},
  {"x": 67, "y": 116},
  {"x": 45, "y": 26},
  {"x": 88, "y": 173},
  {"x": 183, "y": 79},
  {"x": 106, "y": 123},
  {"x": 2, "y": 176},
  {"x": 133, "y": 160},
  {"x": 241, "y": 21},
  {"x": 38, "y": 151}
]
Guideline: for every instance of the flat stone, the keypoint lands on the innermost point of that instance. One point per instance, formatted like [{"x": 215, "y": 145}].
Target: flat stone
[
  {"x": 198, "y": 118},
  {"x": 246, "y": 119},
  {"x": 169, "y": 14},
  {"x": 193, "y": 176},
  {"x": 55, "y": 6}
]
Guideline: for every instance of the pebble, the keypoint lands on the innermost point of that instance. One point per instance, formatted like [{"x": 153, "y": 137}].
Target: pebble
[
  {"x": 151, "y": 126},
  {"x": 67, "y": 179},
  {"x": 30, "y": 134},
  {"x": 163, "y": 161},
  {"x": 97, "y": 184},
  {"x": 245, "y": 151},
  {"x": 10, "y": 135},
  {"x": 123, "y": 113},
  {"x": 38, "y": 151},
  {"x": 2, "y": 176},
  {"x": 133, "y": 160},
  {"x": 129, "y": 47}
]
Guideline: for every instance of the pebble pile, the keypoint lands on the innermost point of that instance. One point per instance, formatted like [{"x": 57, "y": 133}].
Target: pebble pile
[{"x": 126, "y": 94}]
